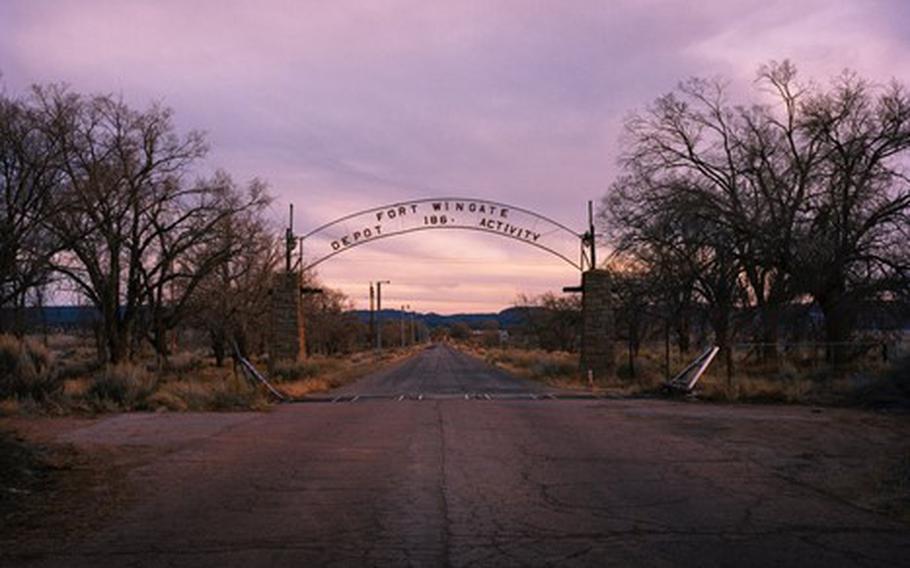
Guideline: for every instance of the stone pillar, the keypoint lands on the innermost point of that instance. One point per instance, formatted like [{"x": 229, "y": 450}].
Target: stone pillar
[
  {"x": 286, "y": 333},
  {"x": 597, "y": 326}
]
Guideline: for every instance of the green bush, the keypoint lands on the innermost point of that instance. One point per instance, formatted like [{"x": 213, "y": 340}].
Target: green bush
[
  {"x": 124, "y": 384},
  {"x": 27, "y": 370}
]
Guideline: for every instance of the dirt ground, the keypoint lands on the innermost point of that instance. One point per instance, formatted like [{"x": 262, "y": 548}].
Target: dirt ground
[{"x": 64, "y": 477}]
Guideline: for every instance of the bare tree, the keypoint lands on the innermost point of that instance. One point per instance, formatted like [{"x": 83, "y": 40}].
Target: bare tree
[
  {"x": 190, "y": 242},
  {"x": 133, "y": 229},
  {"x": 554, "y": 321},
  {"x": 854, "y": 244},
  {"x": 631, "y": 307},
  {"x": 231, "y": 301},
  {"x": 802, "y": 196},
  {"x": 119, "y": 166},
  {"x": 29, "y": 175},
  {"x": 667, "y": 230},
  {"x": 737, "y": 165},
  {"x": 331, "y": 326}
]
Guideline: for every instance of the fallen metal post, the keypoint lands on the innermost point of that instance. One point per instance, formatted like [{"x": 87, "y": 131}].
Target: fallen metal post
[
  {"x": 254, "y": 376},
  {"x": 685, "y": 381}
]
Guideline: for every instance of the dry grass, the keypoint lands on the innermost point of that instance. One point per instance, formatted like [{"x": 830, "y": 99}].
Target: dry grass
[
  {"x": 229, "y": 392},
  {"x": 27, "y": 369},
  {"x": 311, "y": 368},
  {"x": 187, "y": 381},
  {"x": 322, "y": 374},
  {"x": 783, "y": 383},
  {"x": 124, "y": 386}
]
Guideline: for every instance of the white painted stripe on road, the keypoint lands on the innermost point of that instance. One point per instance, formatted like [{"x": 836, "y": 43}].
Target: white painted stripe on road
[
  {"x": 336, "y": 399},
  {"x": 467, "y": 396},
  {"x": 400, "y": 397},
  {"x": 487, "y": 396},
  {"x": 420, "y": 396},
  {"x": 355, "y": 398}
]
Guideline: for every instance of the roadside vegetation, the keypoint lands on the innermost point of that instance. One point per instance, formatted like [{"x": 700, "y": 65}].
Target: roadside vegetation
[
  {"x": 68, "y": 379},
  {"x": 870, "y": 381},
  {"x": 64, "y": 377}
]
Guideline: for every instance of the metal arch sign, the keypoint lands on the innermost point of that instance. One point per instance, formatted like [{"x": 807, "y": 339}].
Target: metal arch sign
[{"x": 482, "y": 215}]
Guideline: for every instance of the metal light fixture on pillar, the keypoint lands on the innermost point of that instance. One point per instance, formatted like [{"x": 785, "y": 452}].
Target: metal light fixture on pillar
[
  {"x": 286, "y": 333},
  {"x": 597, "y": 358}
]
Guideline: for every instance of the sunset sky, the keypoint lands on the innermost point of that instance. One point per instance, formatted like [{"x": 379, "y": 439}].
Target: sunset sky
[{"x": 342, "y": 106}]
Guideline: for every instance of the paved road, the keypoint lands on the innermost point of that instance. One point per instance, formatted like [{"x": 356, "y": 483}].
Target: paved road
[
  {"x": 445, "y": 481},
  {"x": 442, "y": 372}
]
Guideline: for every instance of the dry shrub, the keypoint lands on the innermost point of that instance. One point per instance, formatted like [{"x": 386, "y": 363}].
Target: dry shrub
[
  {"x": 306, "y": 369},
  {"x": 79, "y": 365},
  {"x": 166, "y": 399},
  {"x": 294, "y": 370},
  {"x": 755, "y": 389},
  {"x": 9, "y": 407},
  {"x": 554, "y": 367},
  {"x": 184, "y": 362},
  {"x": 226, "y": 393},
  {"x": 548, "y": 366},
  {"x": 27, "y": 370},
  {"x": 327, "y": 373},
  {"x": 309, "y": 386},
  {"x": 124, "y": 385}
]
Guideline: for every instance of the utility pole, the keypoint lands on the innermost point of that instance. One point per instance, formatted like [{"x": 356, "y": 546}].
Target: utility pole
[
  {"x": 290, "y": 241},
  {"x": 404, "y": 312},
  {"x": 413, "y": 329},
  {"x": 379, "y": 312},
  {"x": 372, "y": 316},
  {"x": 401, "y": 324},
  {"x": 590, "y": 235}
]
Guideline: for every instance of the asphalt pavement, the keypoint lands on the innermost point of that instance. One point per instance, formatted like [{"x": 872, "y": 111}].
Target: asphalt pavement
[{"x": 414, "y": 466}]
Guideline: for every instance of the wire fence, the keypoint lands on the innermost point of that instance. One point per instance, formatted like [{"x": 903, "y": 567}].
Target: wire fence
[{"x": 782, "y": 360}]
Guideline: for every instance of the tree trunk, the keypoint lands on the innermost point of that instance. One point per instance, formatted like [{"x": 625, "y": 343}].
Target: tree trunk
[
  {"x": 839, "y": 319},
  {"x": 720, "y": 322},
  {"x": 770, "y": 333},
  {"x": 219, "y": 346},
  {"x": 159, "y": 336},
  {"x": 683, "y": 340},
  {"x": 114, "y": 336}
]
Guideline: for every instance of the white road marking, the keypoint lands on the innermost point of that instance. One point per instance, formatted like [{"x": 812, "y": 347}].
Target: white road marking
[
  {"x": 355, "y": 398},
  {"x": 420, "y": 396},
  {"x": 400, "y": 398}
]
